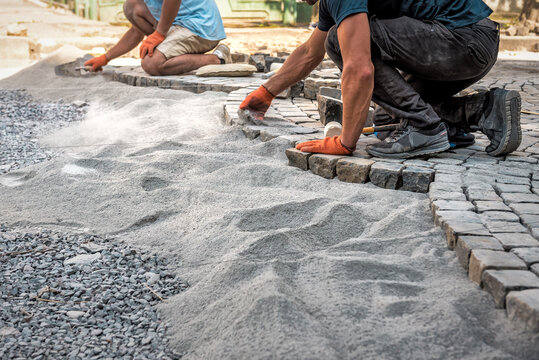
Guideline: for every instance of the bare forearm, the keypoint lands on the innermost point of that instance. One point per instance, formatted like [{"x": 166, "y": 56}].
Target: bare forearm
[
  {"x": 169, "y": 11},
  {"x": 296, "y": 67},
  {"x": 357, "y": 86},
  {"x": 128, "y": 42}
]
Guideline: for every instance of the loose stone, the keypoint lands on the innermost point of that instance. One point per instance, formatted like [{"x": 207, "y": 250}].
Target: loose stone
[
  {"x": 298, "y": 158},
  {"x": 324, "y": 165}
]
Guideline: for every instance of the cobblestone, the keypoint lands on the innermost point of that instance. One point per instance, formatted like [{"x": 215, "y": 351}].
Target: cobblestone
[
  {"x": 324, "y": 165},
  {"x": 354, "y": 170},
  {"x": 483, "y": 259},
  {"x": 523, "y": 308},
  {"x": 465, "y": 245},
  {"x": 386, "y": 175},
  {"x": 512, "y": 240},
  {"x": 499, "y": 282}
]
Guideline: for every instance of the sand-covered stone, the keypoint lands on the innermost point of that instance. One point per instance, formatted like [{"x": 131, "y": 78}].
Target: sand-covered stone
[
  {"x": 354, "y": 170},
  {"x": 523, "y": 308},
  {"x": 499, "y": 282},
  {"x": 483, "y": 259},
  {"x": 227, "y": 70},
  {"x": 465, "y": 245}
]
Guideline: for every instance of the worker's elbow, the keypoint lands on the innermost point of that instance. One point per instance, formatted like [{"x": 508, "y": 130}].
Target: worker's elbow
[{"x": 363, "y": 73}]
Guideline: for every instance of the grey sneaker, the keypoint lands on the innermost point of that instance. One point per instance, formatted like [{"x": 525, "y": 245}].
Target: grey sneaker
[
  {"x": 223, "y": 52},
  {"x": 501, "y": 121},
  {"x": 407, "y": 142}
]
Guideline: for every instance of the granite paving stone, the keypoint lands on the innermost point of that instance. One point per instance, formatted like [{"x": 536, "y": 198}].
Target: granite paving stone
[
  {"x": 531, "y": 221},
  {"x": 505, "y": 227},
  {"x": 449, "y": 169},
  {"x": 499, "y": 216},
  {"x": 417, "y": 179},
  {"x": 523, "y": 308},
  {"x": 525, "y": 209},
  {"x": 324, "y": 165},
  {"x": 508, "y": 188},
  {"x": 500, "y": 282},
  {"x": 386, "y": 175},
  {"x": 354, "y": 170},
  {"x": 513, "y": 240},
  {"x": 535, "y": 269},
  {"x": 529, "y": 255},
  {"x": 419, "y": 163},
  {"x": 448, "y": 178},
  {"x": 454, "y": 228},
  {"x": 466, "y": 243},
  {"x": 510, "y": 198},
  {"x": 482, "y": 195},
  {"x": 488, "y": 206},
  {"x": 298, "y": 158},
  {"x": 446, "y": 195},
  {"x": 440, "y": 217},
  {"x": 453, "y": 205},
  {"x": 484, "y": 259}
]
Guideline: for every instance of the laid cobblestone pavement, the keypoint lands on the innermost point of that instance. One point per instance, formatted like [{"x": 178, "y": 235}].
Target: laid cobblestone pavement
[{"x": 488, "y": 207}]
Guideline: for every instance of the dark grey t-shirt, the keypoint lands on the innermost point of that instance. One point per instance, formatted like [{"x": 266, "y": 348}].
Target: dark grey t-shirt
[{"x": 452, "y": 13}]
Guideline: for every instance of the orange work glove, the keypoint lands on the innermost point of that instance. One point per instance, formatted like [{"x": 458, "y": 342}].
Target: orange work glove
[
  {"x": 150, "y": 43},
  {"x": 329, "y": 145},
  {"x": 97, "y": 63},
  {"x": 258, "y": 102}
]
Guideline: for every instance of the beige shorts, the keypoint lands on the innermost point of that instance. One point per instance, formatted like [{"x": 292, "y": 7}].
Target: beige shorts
[{"x": 181, "y": 41}]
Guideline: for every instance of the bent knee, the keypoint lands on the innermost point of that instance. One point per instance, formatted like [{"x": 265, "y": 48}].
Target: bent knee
[{"x": 151, "y": 66}]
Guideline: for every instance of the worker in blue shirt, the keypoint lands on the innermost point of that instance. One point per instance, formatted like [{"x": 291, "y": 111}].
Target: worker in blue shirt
[
  {"x": 179, "y": 33},
  {"x": 410, "y": 57}
]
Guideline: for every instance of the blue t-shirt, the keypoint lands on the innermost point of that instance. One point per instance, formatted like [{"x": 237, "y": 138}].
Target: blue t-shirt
[
  {"x": 201, "y": 17},
  {"x": 452, "y": 13}
]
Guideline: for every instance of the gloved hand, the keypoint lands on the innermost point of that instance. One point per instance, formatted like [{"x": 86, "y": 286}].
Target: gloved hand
[
  {"x": 329, "y": 145},
  {"x": 258, "y": 102},
  {"x": 150, "y": 43},
  {"x": 97, "y": 63}
]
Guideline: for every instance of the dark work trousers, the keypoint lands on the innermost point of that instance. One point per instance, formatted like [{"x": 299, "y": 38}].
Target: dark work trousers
[{"x": 435, "y": 63}]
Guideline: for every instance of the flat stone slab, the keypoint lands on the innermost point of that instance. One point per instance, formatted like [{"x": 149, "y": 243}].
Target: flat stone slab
[
  {"x": 525, "y": 209},
  {"x": 354, "y": 170},
  {"x": 500, "y": 282},
  {"x": 505, "y": 227},
  {"x": 298, "y": 158},
  {"x": 529, "y": 255},
  {"x": 483, "y": 206},
  {"x": 499, "y": 216},
  {"x": 513, "y": 240},
  {"x": 465, "y": 245},
  {"x": 523, "y": 308},
  {"x": 483, "y": 259},
  {"x": 510, "y": 198},
  {"x": 386, "y": 175},
  {"x": 417, "y": 179},
  {"x": 453, "y": 205},
  {"x": 324, "y": 165}
]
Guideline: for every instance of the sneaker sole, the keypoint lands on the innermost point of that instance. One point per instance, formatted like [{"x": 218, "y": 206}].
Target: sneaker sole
[
  {"x": 513, "y": 135},
  {"x": 432, "y": 149}
]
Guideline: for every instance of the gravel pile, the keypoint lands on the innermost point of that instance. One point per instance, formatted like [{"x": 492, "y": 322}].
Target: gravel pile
[
  {"x": 23, "y": 119},
  {"x": 81, "y": 297}
]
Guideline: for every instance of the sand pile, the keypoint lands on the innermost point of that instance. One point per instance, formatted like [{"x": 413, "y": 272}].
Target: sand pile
[{"x": 282, "y": 263}]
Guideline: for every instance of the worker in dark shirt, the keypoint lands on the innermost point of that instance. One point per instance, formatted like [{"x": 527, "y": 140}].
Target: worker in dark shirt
[{"x": 410, "y": 57}]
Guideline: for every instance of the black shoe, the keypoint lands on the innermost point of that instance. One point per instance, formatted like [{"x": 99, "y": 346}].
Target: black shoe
[
  {"x": 461, "y": 139},
  {"x": 501, "y": 121},
  {"x": 407, "y": 142}
]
